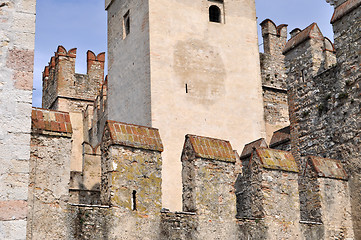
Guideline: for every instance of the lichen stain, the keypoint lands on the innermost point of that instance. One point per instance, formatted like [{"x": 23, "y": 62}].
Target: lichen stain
[{"x": 200, "y": 66}]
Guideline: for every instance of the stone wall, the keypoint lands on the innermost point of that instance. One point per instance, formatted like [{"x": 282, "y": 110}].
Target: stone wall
[
  {"x": 305, "y": 60},
  {"x": 85, "y": 185},
  {"x": 208, "y": 187},
  {"x": 267, "y": 196},
  {"x": 87, "y": 222},
  {"x": 347, "y": 28},
  {"x": 17, "y": 36},
  {"x": 324, "y": 103},
  {"x": 49, "y": 175},
  {"x": 178, "y": 225},
  {"x": 131, "y": 180},
  {"x": 275, "y": 103},
  {"x": 96, "y": 116},
  {"x": 325, "y": 200}
]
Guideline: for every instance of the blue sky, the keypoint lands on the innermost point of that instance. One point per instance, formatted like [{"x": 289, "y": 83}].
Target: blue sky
[{"x": 82, "y": 24}]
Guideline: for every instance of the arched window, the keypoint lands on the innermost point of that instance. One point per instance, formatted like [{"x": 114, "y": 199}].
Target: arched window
[{"x": 214, "y": 14}]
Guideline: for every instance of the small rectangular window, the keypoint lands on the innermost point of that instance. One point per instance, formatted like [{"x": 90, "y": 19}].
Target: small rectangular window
[{"x": 126, "y": 24}]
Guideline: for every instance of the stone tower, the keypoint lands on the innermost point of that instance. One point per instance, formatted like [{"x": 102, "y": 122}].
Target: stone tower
[{"x": 185, "y": 67}]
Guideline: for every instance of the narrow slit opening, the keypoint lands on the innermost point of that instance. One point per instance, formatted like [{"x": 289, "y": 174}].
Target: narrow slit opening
[{"x": 134, "y": 200}]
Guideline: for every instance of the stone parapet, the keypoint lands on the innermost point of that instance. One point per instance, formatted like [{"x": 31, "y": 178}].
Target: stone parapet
[
  {"x": 131, "y": 179},
  {"x": 325, "y": 199},
  {"x": 281, "y": 139},
  {"x": 250, "y": 147},
  {"x": 208, "y": 177},
  {"x": 49, "y": 122},
  {"x": 267, "y": 196},
  {"x": 49, "y": 175},
  {"x": 136, "y": 136},
  {"x": 211, "y": 148}
]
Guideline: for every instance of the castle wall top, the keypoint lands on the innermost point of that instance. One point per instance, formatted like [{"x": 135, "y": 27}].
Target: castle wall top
[
  {"x": 311, "y": 31},
  {"x": 269, "y": 27},
  {"x": 328, "y": 168},
  {"x": 277, "y": 159},
  {"x": 344, "y": 9},
  {"x": 280, "y": 136},
  {"x": 61, "y": 51},
  {"x": 107, "y": 3},
  {"x": 249, "y": 148},
  {"x": 50, "y": 121},
  {"x": 134, "y": 136},
  {"x": 211, "y": 148},
  {"x": 92, "y": 57}
]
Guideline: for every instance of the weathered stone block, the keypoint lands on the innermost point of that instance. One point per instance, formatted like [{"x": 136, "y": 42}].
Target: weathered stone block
[{"x": 14, "y": 230}]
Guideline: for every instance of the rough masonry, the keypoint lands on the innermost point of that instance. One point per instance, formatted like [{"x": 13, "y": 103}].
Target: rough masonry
[{"x": 17, "y": 36}]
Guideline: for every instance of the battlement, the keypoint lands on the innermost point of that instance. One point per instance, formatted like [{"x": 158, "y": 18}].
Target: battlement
[
  {"x": 310, "y": 52},
  {"x": 135, "y": 136},
  {"x": 274, "y": 41},
  {"x": 327, "y": 168},
  {"x": 281, "y": 139},
  {"x": 91, "y": 177},
  {"x": 63, "y": 89},
  {"x": 274, "y": 37},
  {"x": 131, "y": 164}
]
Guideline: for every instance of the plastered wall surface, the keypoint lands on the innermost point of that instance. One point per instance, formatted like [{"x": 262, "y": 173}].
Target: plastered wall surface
[
  {"x": 17, "y": 35},
  {"x": 200, "y": 83}
]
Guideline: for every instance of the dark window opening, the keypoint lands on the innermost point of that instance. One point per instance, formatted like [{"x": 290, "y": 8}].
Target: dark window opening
[
  {"x": 126, "y": 24},
  {"x": 186, "y": 88},
  {"x": 134, "y": 200},
  {"x": 214, "y": 14}
]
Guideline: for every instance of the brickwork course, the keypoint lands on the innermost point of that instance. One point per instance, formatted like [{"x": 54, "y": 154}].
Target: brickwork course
[{"x": 73, "y": 173}]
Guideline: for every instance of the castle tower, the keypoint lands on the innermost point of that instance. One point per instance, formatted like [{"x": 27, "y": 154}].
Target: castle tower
[
  {"x": 185, "y": 67},
  {"x": 65, "y": 90}
]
